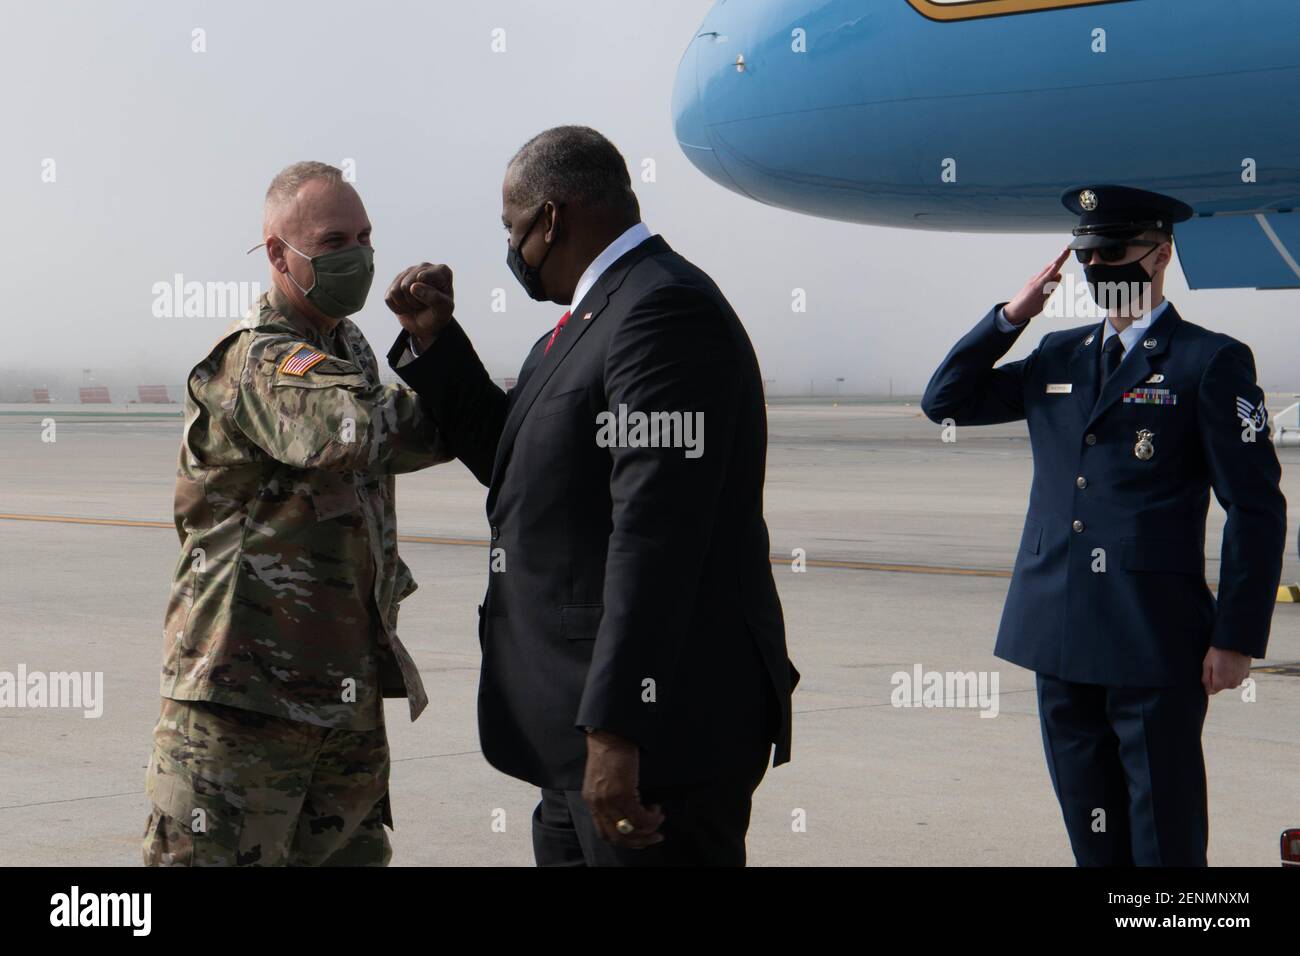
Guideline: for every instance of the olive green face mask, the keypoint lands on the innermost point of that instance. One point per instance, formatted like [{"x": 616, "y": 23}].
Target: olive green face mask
[{"x": 342, "y": 279}]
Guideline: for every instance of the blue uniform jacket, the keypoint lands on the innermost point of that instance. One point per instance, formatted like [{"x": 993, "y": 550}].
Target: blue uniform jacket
[{"x": 1109, "y": 584}]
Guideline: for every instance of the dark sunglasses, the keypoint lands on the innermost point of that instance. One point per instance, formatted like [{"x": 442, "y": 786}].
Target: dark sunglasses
[{"x": 1112, "y": 253}]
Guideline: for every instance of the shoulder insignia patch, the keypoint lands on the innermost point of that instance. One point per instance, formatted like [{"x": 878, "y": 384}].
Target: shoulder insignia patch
[
  {"x": 301, "y": 360},
  {"x": 1252, "y": 416}
]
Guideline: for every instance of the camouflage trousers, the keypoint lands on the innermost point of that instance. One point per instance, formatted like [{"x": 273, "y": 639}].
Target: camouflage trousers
[{"x": 231, "y": 787}]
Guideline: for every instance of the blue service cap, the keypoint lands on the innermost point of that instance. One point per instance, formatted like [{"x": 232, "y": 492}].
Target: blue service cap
[{"x": 1112, "y": 215}]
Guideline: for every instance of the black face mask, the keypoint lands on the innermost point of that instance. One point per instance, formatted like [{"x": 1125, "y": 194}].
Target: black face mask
[
  {"x": 1121, "y": 277},
  {"x": 530, "y": 277}
]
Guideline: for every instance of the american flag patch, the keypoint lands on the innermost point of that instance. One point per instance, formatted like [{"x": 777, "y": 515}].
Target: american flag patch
[
  {"x": 302, "y": 360},
  {"x": 1150, "y": 396}
]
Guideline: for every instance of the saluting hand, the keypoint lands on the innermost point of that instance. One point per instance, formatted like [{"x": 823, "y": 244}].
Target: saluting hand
[
  {"x": 423, "y": 300},
  {"x": 1224, "y": 669},
  {"x": 609, "y": 787},
  {"x": 1030, "y": 300}
]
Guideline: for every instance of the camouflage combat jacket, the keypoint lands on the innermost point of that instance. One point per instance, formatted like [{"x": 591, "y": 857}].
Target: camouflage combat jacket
[{"x": 285, "y": 597}]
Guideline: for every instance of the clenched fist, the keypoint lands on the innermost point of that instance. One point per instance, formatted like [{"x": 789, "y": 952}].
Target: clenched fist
[{"x": 422, "y": 299}]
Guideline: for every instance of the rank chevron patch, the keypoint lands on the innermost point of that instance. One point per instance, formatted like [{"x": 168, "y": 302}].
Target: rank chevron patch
[{"x": 1252, "y": 415}]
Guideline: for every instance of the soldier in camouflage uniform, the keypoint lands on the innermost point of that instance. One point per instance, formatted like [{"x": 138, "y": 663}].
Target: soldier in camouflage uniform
[{"x": 280, "y": 640}]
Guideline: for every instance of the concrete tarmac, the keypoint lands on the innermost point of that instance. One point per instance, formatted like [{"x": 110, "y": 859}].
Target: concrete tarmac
[{"x": 909, "y": 542}]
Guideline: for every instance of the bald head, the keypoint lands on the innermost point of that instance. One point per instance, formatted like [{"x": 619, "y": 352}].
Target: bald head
[{"x": 298, "y": 193}]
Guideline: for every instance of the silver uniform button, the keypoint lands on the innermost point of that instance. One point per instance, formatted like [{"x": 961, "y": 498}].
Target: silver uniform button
[
  {"x": 1081, "y": 482},
  {"x": 1149, "y": 344},
  {"x": 1077, "y": 526},
  {"x": 1090, "y": 439}
]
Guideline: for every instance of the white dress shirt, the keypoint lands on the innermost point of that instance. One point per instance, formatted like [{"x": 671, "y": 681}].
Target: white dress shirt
[
  {"x": 1129, "y": 337},
  {"x": 624, "y": 244}
]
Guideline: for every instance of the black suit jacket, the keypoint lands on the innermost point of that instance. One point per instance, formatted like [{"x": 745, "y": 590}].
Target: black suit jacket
[{"x": 632, "y": 588}]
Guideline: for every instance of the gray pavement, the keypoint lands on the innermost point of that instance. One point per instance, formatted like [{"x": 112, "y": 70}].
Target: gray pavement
[{"x": 859, "y": 483}]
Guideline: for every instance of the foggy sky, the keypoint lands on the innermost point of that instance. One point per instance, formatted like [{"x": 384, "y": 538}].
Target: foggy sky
[{"x": 162, "y": 156}]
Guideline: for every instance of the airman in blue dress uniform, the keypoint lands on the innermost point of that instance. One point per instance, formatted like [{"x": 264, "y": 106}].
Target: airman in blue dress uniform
[{"x": 1132, "y": 423}]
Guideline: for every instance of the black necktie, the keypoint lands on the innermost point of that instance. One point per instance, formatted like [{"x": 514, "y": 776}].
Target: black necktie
[{"x": 1111, "y": 355}]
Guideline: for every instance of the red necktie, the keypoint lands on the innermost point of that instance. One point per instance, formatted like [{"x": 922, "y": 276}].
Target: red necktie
[{"x": 564, "y": 318}]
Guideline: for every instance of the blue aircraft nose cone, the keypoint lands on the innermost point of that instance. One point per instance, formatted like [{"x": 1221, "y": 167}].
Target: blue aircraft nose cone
[{"x": 689, "y": 119}]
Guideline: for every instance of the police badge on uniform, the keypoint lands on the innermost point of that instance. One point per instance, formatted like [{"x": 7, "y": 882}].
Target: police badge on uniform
[{"x": 1143, "y": 450}]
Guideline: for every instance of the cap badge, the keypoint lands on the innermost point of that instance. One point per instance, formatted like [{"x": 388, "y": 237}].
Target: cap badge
[{"x": 1088, "y": 200}]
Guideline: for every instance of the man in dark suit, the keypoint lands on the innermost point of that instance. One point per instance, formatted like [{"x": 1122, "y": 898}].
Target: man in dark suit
[
  {"x": 1133, "y": 422},
  {"x": 634, "y": 659}
]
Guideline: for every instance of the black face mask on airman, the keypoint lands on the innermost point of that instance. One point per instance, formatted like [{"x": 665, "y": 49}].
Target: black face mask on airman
[{"x": 1117, "y": 278}]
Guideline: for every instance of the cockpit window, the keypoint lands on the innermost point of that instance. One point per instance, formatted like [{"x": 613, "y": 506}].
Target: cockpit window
[{"x": 970, "y": 9}]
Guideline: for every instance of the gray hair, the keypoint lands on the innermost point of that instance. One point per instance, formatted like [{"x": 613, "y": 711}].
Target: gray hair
[
  {"x": 284, "y": 187},
  {"x": 572, "y": 164}
]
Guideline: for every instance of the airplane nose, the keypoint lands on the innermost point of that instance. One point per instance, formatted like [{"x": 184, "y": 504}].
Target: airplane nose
[
  {"x": 688, "y": 111},
  {"x": 689, "y": 119}
]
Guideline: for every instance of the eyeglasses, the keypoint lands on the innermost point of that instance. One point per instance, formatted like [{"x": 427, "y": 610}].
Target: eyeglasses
[{"x": 1112, "y": 253}]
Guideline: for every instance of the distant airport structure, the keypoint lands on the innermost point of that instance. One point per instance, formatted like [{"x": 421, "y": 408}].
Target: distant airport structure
[
  {"x": 121, "y": 386},
  {"x": 154, "y": 395}
]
